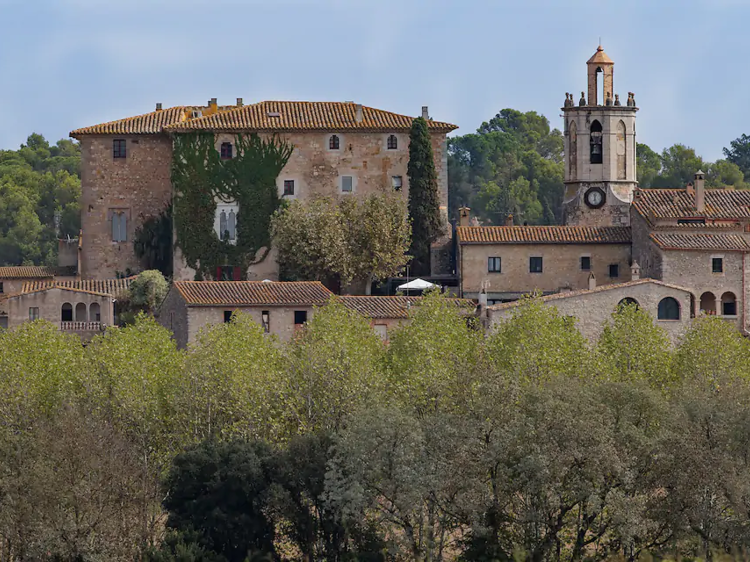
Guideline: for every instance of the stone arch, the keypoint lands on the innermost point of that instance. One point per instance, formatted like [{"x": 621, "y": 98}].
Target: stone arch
[
  {"x": 573, "y": 151},
  {"x": 669, "y": 309},
  {"x": 66, "y": 312},
  {"x": 81, "y": 314},
  {"x": 628, "y": 301},
  {"x": 728, "y": 304},
  {"x": 708, "y": 303},
  {"x": 596, "y": 139},
  {"x": 334, "y": 143},
  {"x": 621, "y": 148},
  {"x": 95, "y": 312}
]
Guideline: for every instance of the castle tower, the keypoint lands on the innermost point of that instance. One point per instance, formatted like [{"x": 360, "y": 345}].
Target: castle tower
[{"x": 599, "y": 150}]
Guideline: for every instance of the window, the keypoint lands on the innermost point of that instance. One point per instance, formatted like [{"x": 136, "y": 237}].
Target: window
[
  {"x": 392, "y": 142},
  {"x": 265, "y": 321},
  {"x": 81, "y": 313},
  {"x": 494, "y": 265},
  {"x": 118, "y": 148},
  {"x": 585, "y": 263},
  {"x": 226, "y": 151},
  {"x": 288, "y": 187},
  {"x": 728, "y": 304},
  {"x": 95, "y": 313},
  {"x": 628, "y": 301},
  {"x": 535, "y": 265},
  {"x": 397, "y": 182},
  {"x": 614, "y": 270},
  {"x": 334, "y": 143},
  {"x": 717, "y": 265},
  {"x": 33, "y": 313},
  {"x": 119, "y": 225},
  {"x": 225, "y": 221},
  {"x": 596, "y": 142},
  {"x": 1, "y": 288},
  {"x": 669, "y": 309},
  {"x": 3, "y": 322},
  {"x": 227, "y": 273},
  {"x": 300, "y": 317},
  {"x": 228, "y": 316},
  {"x": 347, "y": 184},
  {"x": 382, "y": 331},
  {"x": 66, "y": 313}
]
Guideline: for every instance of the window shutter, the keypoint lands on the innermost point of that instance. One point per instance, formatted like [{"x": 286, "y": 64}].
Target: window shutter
[
  {"x": 236, "y": 274},
  {"x": 123, "y": 227},
  {"x": 115, "y": 226},
  {"x": 218, "y": 273}
]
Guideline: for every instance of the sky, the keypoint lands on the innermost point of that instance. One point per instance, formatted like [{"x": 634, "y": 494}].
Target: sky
[{"x": 66, "y": 64}]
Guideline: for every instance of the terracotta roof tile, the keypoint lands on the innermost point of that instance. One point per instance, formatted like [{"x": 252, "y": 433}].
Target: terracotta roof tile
[
  {"x": 114, "y": 287},
  {"x": 41, "y": 289},
  {"x": 680, "y": 204},
  {"x": 700, "y": 241},
  {"x": 147, "y": 124},
  {"x": 303, "y": 116},
  {"x": 251, "y": 293},
  {"x": 543, "y": 234},
  {"x": 599, "y": 289},
  {"x": 391, "y": 307},
  {"x": 34, "y": 272}
]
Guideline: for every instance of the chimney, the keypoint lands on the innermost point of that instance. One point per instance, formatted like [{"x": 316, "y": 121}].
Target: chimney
[
  {"x": 700, "y": 192},
  {"x": 359, "y": 115},
  {"x": 239, "y": 102},
  {"x": 482, "y": 300},
  {"x": 212, "y": 102},
  {"x": 509, "y": 220},
  {"x": 635, "y": 271},
  {"x": 464, "y": 216},
  {"x": 158, "y": 107},
  {"x": 425, "y": 113},
  {"x": 592, "y": 281}
]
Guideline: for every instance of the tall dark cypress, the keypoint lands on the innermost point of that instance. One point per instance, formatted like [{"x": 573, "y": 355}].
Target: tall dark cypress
[{"x": 424, "y": 202}]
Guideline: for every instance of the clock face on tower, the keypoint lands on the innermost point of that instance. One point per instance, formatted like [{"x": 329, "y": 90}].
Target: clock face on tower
[{"x": 594, "y": 197}]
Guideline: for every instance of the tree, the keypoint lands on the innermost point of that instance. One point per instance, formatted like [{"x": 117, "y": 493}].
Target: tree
[
  {"x": 679, "y": 164},
  {"x": 424, "y": 200},
  {"x": 152, "y": 242},
  {"x": 723, "y": 173},
  {"x": 147, "y": 291},
  {"x": 648, "y": 165},
  {"x": 738, "y": 153},
  {"x": 343, "y": 241}
]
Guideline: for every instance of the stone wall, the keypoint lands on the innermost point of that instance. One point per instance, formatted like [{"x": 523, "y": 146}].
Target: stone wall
[
  {"x": 173, "y": 315},
  {"x": 593, "y": 309},
  {"x": 138, "y": 185},
  {"x": 615, "y": 212},
  {"x": 645, "y": 251},
  {"x": 561, "y": 267},
  {"x": 50, "y": 304}
]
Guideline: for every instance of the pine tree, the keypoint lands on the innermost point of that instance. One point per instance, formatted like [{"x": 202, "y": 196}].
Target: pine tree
[{"x": 424, "y": 203}]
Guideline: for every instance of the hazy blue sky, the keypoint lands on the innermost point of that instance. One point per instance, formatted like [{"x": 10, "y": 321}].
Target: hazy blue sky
[{"x": 70, "y": 63}]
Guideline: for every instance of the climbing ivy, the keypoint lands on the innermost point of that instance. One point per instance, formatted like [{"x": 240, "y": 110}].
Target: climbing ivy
[
  {"x": 152, "y": 242},
  {"x": 199, "y": 176}
]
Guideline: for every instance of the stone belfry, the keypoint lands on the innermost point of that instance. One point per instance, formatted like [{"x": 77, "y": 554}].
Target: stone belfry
[{"x": 599, "y": 150}]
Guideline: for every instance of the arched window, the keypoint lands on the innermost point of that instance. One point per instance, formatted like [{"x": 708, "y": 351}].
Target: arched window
[
  {"x": 621, "y": 148},
  {"x": 95, "y": 312},
  {"x": 628, "y": 301},
  {"x": 333, "y": 142},
  {"x": 573, "y": 156},
  {"x": 226, "y": 151},
  {"x": 728, "y": 304},
  {"x": 669, "y": 309},
  {"x": 232, "y": 225},
  {"x": 596, "y": 142},
  {"x": 66, "y": 314},
  {"x": 392, "y": 142},
  {"x": 708, "y": 303},
  {"x": 81, "y": 312},
  {"x": 223, "y": 224}
]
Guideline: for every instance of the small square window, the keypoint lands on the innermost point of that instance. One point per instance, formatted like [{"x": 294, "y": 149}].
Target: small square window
[
  {"x": 535, "y": 265},
  {"x": 226, "y": 151},
  {"x": 265, "y": 319},
  {"x": 392, "y": 143},
  {"x": 118, "y": 148},
  {"x": 614, "y": 270},
  {"x": 300, "y": 317},
  {"x": 397, "y": 182},
  {"x": 717, "y": 265},
  {"x": 494, "y": 265},
  {"x": 334, "y": 142},
  {"x": 347, "y": 183},
  {"x": 228, "y": 316},
  {"x": 288, "y": 187},
  {"x": 33, "y": 313},
  {"x": 585, "y": 263}
]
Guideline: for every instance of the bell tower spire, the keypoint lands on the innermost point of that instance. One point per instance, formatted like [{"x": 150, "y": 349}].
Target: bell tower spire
[{"x": 600, "y": 145}]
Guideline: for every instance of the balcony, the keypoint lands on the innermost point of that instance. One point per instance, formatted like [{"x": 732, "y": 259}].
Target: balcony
[{"x": 82, "y": 326}]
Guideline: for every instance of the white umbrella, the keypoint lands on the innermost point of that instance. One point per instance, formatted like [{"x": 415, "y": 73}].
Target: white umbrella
[{"x": 417, "y": 285}]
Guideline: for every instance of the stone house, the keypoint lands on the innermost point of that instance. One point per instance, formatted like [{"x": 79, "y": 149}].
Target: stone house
[
  {"x": 340, "y": 148},
  {"x": 13, "y": 278}
]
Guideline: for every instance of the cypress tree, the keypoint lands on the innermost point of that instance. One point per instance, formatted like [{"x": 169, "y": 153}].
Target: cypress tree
[{"x": 424, "y": 203}]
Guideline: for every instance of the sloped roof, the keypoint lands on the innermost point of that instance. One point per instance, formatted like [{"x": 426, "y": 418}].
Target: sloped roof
[
  {"x": 599, "y": 289},
  {"x": 35, "y": 271},
  {"x": 700, "y": 241},
  {"x": 252, "y": 293},
  {"x": 114, "y": 287},
  {"x": 303, "y": 116},
  {"x": 146, "y": 124},
  {"x": 680, "y": 203},
  {"x": 49, "y": 288},
  {"x": 390, "y": 306},
  {"x": 543, "y": 235},
  {"x": 600, "y": 57}
]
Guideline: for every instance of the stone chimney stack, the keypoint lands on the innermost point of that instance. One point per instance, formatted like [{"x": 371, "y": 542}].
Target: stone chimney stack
[
  {"x": 509, "y": 220},
  {"x": 359, "y": 115},
  {"x": 464, "y": 216},
  {"x": 158, "y": 106},
  {"x": 239, "y": 102},
  {"x": 425, "y": 113},
  {"x": 700, "y": 192},
  {"x": 635, "y": 271},
  {"x": 592, "y": 281}
]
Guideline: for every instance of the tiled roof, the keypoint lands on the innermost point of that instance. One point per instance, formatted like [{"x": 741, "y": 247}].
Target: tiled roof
[
  {"x": 34, "y": 272},
  {"x": 680, "y": 203},
  {"x": 147, "y": 124},
  {"x": 599, "y": 289},
  {"x": 543, "y": 234},
  {"x": 390, "y": 307},
  {"x": 251, "y": 293},
  {"x": 700, "y": 241},
  {"x": 303, "y": 116},
  {"x": 114, "y": 287},
  {"x": 49, "y": 288}
]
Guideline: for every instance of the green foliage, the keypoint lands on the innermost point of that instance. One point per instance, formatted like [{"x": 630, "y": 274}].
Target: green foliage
[
  {"x": 738, "y": 153},
  {"x": 200, "y": 176},
  {"x": 424, "y": 200},
  {"x": 647, "y": 165},
  {"x": 148, "y": 290},
  {"x": 152, "y": 242}
]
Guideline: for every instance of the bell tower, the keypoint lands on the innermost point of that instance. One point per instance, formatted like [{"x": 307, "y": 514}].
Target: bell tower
[{"x": 599, "y": 150}]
